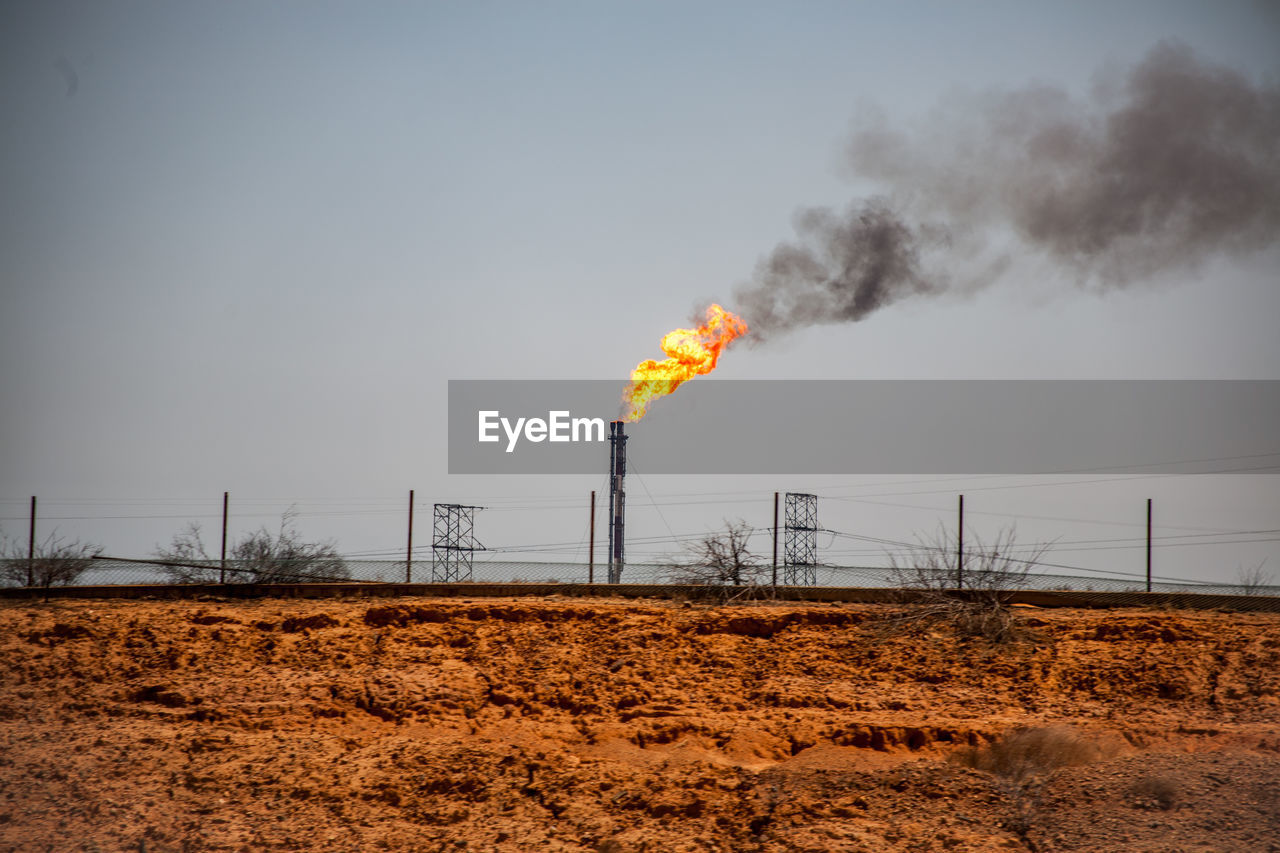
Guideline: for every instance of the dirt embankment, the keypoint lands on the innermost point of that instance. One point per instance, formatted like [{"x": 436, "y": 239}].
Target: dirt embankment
[{"x": 603, "y": 725}]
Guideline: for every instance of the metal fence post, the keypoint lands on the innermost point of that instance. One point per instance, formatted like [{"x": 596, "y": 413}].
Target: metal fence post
[
  {"x": 31, "y": 546},
  {"x": 408, "y": 558},
  {"x": 1148, "y": 544},
  {"x": 222, "y": 564}
]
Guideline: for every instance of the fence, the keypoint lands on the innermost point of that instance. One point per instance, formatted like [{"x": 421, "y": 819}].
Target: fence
[
  {"x": 107, "y": 572},
  {"x": 1118, "y": 565}
]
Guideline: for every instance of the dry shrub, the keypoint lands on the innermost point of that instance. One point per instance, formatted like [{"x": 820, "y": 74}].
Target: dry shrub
[
  {"x": 969, "y": 614},
  {"x": 1021, "y": 761},
  {"x": 719, "y": 594},
  {"x": 54, "y": 562},
  {"x": 720, "y": 559},
  {"x": 258, "y": 557},
  {"x": 1027, "y": 753},
  {"x": 973, "y": 596}
]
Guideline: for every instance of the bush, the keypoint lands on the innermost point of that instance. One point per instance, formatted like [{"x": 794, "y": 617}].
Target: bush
[
  {"x": 56, "y": 562},
  {"x": 1021, "y": 761},
  {"x": 1255, "y": 580},
  {"x": 972, "y": 598},
  {"x": 720, "y": 559},
  {"x": 258, "y": 557},
  {"x": 1027, "y": 753}
]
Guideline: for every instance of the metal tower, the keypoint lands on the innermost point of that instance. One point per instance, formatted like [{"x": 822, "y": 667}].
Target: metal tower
[
  {"x": 801, "y": 565},
  {"x": 617, "y": 499},
  {"x": 453, "y": 542}
]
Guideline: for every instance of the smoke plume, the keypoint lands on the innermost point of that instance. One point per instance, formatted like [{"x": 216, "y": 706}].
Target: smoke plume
[{"x": 1161, "y": 168}]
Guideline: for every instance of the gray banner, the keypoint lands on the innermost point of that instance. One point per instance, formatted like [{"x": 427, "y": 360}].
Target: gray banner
[{"x": 871, "y": 427}]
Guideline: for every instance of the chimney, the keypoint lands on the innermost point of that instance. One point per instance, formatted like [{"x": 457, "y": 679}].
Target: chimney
[{"x": 617, "y": 498}]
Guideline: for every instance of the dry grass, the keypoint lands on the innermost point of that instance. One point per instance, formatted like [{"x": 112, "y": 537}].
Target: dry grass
[
  {"x": 972, "y": 615},
  {"x": 1028, "y": 753},
  {"x": 1021, "y": 761}
]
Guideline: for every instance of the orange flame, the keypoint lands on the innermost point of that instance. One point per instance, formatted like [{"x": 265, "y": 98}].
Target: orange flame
[{"x": 690, "y": 353}]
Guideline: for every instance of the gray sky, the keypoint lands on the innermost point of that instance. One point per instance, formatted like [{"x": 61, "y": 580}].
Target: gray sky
[{"x": 245, "y": 245}]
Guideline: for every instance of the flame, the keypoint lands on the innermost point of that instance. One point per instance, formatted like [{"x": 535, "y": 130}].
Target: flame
[{"x": 690, "y": 353}]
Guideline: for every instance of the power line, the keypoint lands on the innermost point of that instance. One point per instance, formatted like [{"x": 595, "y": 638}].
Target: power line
[
  {"x": 652, "y": 502},
  {"x": 910, "y": 548}
]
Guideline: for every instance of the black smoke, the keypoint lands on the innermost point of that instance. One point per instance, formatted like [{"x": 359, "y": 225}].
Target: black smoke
[{"x": 1163, "y": 166}]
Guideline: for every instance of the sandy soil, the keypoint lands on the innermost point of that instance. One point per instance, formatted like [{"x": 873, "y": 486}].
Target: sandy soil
[{"x": 612, "y": 726}]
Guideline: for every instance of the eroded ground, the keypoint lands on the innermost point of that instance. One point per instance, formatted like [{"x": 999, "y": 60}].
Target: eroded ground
[{"x": 429, "y": 724}]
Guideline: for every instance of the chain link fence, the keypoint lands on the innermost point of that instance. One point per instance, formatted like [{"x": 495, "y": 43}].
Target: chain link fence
[{"x": 108, "y": 572}]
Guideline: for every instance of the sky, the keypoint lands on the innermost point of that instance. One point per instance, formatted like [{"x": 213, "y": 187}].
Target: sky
[{"x": 244, "y": 247}]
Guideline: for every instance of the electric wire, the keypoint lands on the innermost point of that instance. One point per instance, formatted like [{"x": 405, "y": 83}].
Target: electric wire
[{"x": 652, "y": 502}]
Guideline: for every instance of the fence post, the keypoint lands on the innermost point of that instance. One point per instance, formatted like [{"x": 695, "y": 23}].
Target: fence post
[
  {"x": 222, "y": 563},
  {"x": 591, "y": 547},
  {"x": 1148, "y": 544},
  {"x": 775, "y": 538},
  {"x": 31, "y": 546},
  {"x": 960, "y": 547},
  {"x": 408, "y": 557}
]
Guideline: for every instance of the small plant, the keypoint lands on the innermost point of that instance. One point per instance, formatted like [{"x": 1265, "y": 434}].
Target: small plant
[{"x": 1254, "y": 580}]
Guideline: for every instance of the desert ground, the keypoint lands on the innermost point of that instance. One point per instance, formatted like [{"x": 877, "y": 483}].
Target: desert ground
[{"x": 624, "y": 726}]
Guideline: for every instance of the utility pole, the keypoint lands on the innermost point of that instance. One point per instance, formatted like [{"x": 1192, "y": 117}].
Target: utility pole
[
  {"x": 408, "y": 559},
  {"x": 960, "y": 547},
  {"x": 1148, "y": 544},
  {"x": 222, "y": 570},
  {"x": 31, "y": 546},
  {"x": 775, "y": 538}
]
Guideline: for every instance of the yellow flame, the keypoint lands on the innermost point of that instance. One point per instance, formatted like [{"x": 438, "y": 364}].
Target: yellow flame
[{"x": 690, "y": 353}]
